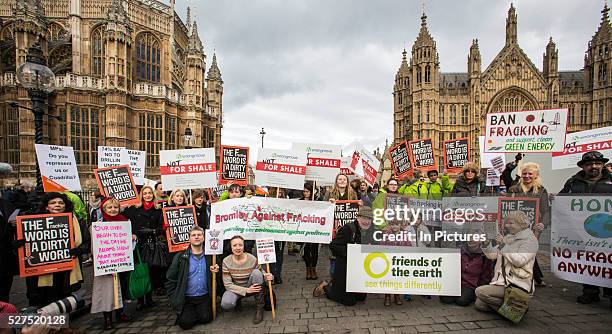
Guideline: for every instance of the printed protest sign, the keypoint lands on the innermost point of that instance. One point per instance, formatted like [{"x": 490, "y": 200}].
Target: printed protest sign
[
  {"x": 579, "y": 143},
  {"x": 429, "y": 210},
  {"x": 323, "y": 162},
  {"x": 493, "y": 179},
  {"x": 215, "y": 192},
  {"x": 180, "y": 220},
  {"x": 117, "y": 182},
  {"x": 456, "y": 154},
  {"x": 580, "y": 239},
  {"x": 234, "y": 165},
  {"x": 265, "y": 251},
  {"x": 58, "y": 168},
  {"x": 400, "y": 160},
  {"x": 365, "y": 165},
  {"x": 498, "y": 165},
  {"x": 277, "y": 218},
  {"x": 188, "y": 169},
  {"x": 109, "y": 156},
  {"x": 471, "y": 215},
  {"x": 112, "y": 247},
  {"x": 392, "y": 204},
  {"x": 402, "y": 270},
  {"x": 345, "y": 213},
  {"x": 137, "y": 160},
  {"x": 280, "y": 168},
  {"x": 529, "y": 205},
  {"x": 526, "y": 131},
  {"x": 423, "y": 154},
  {"x": 213, "y": 242},
  {"x": 344, "y": 168},
  {"x": 48, "y": 241},
  {"x": 487, "y": 158}
]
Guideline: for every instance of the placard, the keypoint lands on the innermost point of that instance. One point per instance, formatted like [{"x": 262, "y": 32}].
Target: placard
[
  {"x": 109, "y": 156},
  {"x": 180, "y": 220},
  {"x": 456, "y": 154},
  {"x": 188, "y": 169},
  {"x": 280, "y": 168},
  {"x": 58, "y": 168},
  {"x": 393, "y": 202},
  {"x": 345, "y": 213},
  {"x": 430, "y": 210},
  {"x": 403, "y": 270},
  {"x": 498, "y": 165},
  {"x": 216, "y": 192},
  {"x": 493, "y": 179},
  {"x": 579, "y": 143},
  {"x": 423, "y": 154},
  {"x": 529, "y": 205},
  {"x": 323, "y": 162},
  {"x": 234, "y": 165},
  {"x": 117, "y": 182},
  {"x": 526, "y": 131},
  {"x": 366, "y": 166},
  {"x": 345, "y": 163},
  {"x": 400, "y": 160},
  {"x": 486, "y": 158},
  {"x": 112, "y": 247},
  {"x": 213, "y": 242},
  {"x": 137, "y": 160},
  {"x": 471, "y": 215},
  {"x": 266, "y": 252},
  {"x": 48, "y": 241}
]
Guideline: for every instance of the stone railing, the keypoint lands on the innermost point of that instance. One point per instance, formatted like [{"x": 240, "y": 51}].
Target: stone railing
[
  {"x": 70, "y": 80},
  {"x": 158, "y": 91}
]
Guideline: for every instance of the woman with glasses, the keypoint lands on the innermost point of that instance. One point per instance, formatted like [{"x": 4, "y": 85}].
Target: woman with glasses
[{"x": 468, "y": 183}]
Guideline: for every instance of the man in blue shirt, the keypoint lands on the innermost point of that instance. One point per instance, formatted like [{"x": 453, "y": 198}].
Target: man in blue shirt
[{"x": 189, "y": 282}]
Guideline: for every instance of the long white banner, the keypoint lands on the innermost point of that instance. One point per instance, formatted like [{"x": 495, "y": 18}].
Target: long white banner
[{"x": 281, "y": 219}]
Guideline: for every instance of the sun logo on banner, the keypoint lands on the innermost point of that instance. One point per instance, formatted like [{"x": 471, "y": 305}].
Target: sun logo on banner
[{"x": 378, "y": 259}]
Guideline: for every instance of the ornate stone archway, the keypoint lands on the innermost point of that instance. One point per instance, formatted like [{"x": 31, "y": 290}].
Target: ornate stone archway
[{"x": 512, "y": 99}]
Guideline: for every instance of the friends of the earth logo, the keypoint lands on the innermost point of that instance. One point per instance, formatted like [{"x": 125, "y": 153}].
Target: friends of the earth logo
[{"x": 378, "y": 265}]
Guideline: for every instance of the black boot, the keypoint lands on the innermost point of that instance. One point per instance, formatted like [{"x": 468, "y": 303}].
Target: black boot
[
  {"x": 259, "y": 307},
  {"x": 108, "y": 320}
]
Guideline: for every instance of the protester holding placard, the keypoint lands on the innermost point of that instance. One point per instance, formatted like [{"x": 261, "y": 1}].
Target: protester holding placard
[
  {"x": 341, "y": 190},
  {"x": 160, "y": 195},
  {"x": 310, "y": 251},
  {"x": 365, "y": 193},
  {"x": 109, "y": 290},
  {"x": 48, "y": 288},
  {"x": 176, "y": 198},
  {"x": 379, "y": 203},
  {"x": 468, "y": 183}
]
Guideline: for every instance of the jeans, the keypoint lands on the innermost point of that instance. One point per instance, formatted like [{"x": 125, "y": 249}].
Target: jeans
[
  {"x": 229, "y": 299},
  {"x": 196, "y": 310}
]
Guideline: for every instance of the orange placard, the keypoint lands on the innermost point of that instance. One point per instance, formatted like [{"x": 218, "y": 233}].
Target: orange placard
[
  {"x": 117, "y": 182},
  {"x": 48, "y": 241},
  {"x": 400, "y": 160},
  {"x": 180, "y": 220},
  {"x": 422, "y": 153},
  {"x": 456, "y": 154},
  {"x": 234, "y": 165}
]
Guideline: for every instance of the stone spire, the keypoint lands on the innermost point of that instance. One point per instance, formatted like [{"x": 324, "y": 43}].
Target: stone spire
[
  {"x": 511, "y": 26},
  {"x": 118, "y": 22},
  {"x": 550, "y": 66},
  {"x": 32, "y": 10},
  {"x": 195, "y": 44},
  {"x": 474, "y": 60},
  {"x": 188, "y": 20},
  {"x": 604, "y": 26},
  {"x": 214, "y": 73},
  {"x": 424, "y": 37}
]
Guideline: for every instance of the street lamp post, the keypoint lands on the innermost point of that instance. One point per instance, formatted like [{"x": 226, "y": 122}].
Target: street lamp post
[
  {"x": 39, "y": 81},
  {"x": 188, "y": 136},
  {"x": 262, "y": 133}
]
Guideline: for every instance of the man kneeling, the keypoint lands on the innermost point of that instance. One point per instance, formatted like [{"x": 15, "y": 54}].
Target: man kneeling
[
  {"x": 243, "y": 277},
  {"x": 189, "y": 282}
]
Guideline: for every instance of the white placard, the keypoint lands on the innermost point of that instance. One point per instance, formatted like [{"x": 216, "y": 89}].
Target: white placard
[
  {"x": 486, "y": 158},
  {"x": 266, "y": 253},
  {"x": 365, "y": 164},
  {"x": 213, "y": 242},
  {"x": 579, "y": 143},
  {"x": 493, "y": 179},
  {"x": 188, "y": 169},
  {"x": 137, "y": 161},
  {"x": 280, "y": 168},
  {"x": 324, "y": 162},
  {"x": 112, "y": 247},
  {"x": 109, "y": 156},
  {"x": 58, "y": 168}
]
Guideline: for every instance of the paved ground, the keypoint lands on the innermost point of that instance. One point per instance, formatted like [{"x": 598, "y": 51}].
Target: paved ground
[{"x": 553, "y": 310}]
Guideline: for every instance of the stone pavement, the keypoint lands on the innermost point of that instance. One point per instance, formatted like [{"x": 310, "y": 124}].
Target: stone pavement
[{"x": 553, "y": 309}]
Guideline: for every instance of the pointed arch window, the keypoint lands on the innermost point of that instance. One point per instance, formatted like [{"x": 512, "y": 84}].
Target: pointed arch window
[
  {"x": 453, "y": 114},
  {"x": 427, "y": 74},
  {"x": 441, "y": 114},
  {"x": 418, "y": 68},
  {"x": 97, "y": 52},
  {"x": 148, "y": 58}
]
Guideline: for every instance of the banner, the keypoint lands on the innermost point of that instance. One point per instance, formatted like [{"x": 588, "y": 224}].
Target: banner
[
  {"x": 345, "y": 212},
  {"x": 109, "y": 156},
  {"x": 365, "y": 164},
  {"x": 403, "y": 270},
  {"x": 579, "y": 143},
  {"x": 526, "y": 131},
  {"x": 456, "y": 154},
  {"x": 112, "y": 247},
  {"x": 423, "y": 154},
  {"x": 486, "y": 158},
  {"x": 470, "y": 215},
  {"x": 277, "y": 218},
  {"x": 265, "y": 251},
  {"x": 280, "y": 168},
  {"x": 529, "y": 205},
  {"x": 48, "y": 241},
  {"x": 58, "y": 168},
  {"x": 345, "y": 164},
  {"x": 137, "y": 160},
  {"x": 431, "y": 210},
  {"x": 213, "y": 242},
  {"x": 323, "y": 164},
  {"x": 188, "y": 169},
  {"x": 180, "y": 220},
  {"x": 117, "y": 182},
  {"x": 580, "y": 239},
  {"x": 234, "y": 165},
  {"x": 400, "y": 160}
]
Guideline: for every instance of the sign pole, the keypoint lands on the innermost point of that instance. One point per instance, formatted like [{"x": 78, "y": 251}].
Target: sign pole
[
  {"x": 314, "y": 186},
  {"x": 271, "y": 295},
  {"x": 214, "y": 289}
]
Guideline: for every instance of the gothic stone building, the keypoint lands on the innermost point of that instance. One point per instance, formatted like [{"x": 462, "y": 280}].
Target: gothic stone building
[
  {"x": 442, "y": 106},
  {"x": 128, "y": 73}
]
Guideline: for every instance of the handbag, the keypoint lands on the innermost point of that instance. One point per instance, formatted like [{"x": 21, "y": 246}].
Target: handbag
[
  {"x": 516, "y": 299},
  {"x": 156, "y": 254},
  {"x": 140, "y": 281}
]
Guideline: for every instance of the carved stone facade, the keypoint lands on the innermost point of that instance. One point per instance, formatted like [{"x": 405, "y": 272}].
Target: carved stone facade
[
  {"x": 442, "y": 106},
  {"x": 129, "y": 73}
]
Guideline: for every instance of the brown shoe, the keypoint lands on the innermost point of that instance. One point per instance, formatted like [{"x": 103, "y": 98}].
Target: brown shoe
[
  {"x": 313, "y": 273},
  {"x": 308, "y": 273},
  {"x": 320, "y": 289},
  {"x": 259, "y": 307},
  {"x": 397, "y": 300}
]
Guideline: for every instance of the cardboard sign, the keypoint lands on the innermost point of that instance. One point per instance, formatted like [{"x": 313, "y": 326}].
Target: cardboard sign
[
  {"x": 266, "y": 252},
  {"x": 112, "y": 247},
  {"x": 579, "y": 143},
  {"x": 234, "y": 165},
  {"x": 137, "y": 160},
  {"x": 109, "y": 156},
  {"x": 324, "y": 162},
  {"x": 213, "y": 242},
  {"x": 456, "y": 154},
  {"x": 117, "y": 182},
  {"x": 345, "y": 213},
  {"x": 188, "y": 169},
  {"x": 529, "y": 205},
  {"x": 280, "y": 168},
  {"x": 526, "y": 131},
  {"x": 423, "y": 154},
  {"x": 180, "y": 220},
  {"x": 400, "y": 160},
  {"x": 48, "y": 241},
  {"x": 58, "y": 168}
]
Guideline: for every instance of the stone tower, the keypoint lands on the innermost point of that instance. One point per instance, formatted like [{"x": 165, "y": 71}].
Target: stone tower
[
  {"x": 214, "y": 85},
  {"x": 551, "y": 73},
  {"x": 597, "y": 63}
]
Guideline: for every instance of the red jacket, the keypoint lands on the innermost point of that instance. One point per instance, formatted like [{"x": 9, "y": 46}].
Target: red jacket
[{"x": 476, "y": 269}]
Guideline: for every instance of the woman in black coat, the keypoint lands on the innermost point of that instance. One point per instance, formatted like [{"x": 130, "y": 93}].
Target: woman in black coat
[{"x": 468, "y": 183}]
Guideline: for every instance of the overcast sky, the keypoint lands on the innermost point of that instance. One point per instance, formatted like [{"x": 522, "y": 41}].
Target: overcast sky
[{"x": 322, "y": 71}]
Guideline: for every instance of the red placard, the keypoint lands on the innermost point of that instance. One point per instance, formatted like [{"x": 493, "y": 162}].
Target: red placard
[
  {"x": 229, "y": 163},
  {"x": 179, "y": 220},
  {"x": 401, "y": 160},
  {"x": 422, "y": 153},
  {"x": 117, "y": 182},
  {"x": 455, "y": 165}
]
